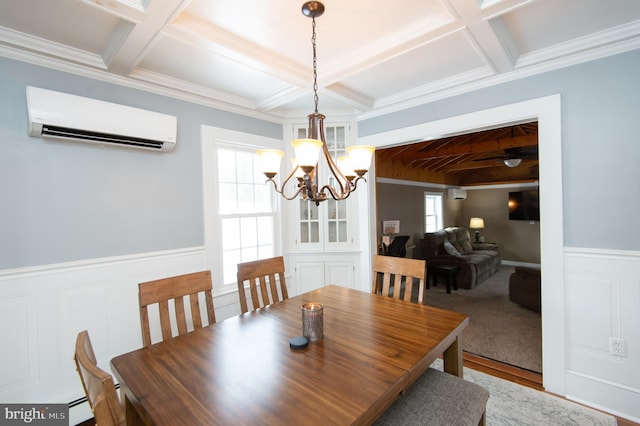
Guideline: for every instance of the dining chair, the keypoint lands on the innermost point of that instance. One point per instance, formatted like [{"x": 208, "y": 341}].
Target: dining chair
[
  {"x": 98, "y": 384},
  {"x": 389, "y": 273},
  {"x": 264, "y": 277},
  {"x": 438, "y": 398},
  {"x": 165, "y": 290}
]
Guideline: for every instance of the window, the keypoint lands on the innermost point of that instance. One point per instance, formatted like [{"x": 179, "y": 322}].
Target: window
[
  {"x": 432, "y": 211},
  {"x": 246, "y": 208}
]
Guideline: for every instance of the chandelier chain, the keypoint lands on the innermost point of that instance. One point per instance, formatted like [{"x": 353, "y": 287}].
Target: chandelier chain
[{"x": 315, "y": 64}]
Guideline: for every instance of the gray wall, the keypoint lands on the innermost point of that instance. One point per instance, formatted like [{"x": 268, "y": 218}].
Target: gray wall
[
  {"x": 518, "y": 241},
  {"x": 68, "y": 201},
  {"x": 406, "y": 204},
  {"x": 600, "y": 128}
]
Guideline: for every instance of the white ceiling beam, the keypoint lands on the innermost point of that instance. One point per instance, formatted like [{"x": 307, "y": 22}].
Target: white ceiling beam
[
  {"x": 127, "y": 52},
  {"x": 129, "y": 10}
]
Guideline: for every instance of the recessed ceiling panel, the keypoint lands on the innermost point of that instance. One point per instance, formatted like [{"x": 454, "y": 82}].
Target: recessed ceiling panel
[
  {"x": 212, "y": 71},
  {"x": 279, "y": 25},
  {"x": 424, "y": 65},
  {"x": 544, "y": 23},
  {"x": 67, "y": 22}
]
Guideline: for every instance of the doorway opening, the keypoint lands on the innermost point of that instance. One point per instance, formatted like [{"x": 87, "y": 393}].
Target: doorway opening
[{"x": 547, "y": 111}]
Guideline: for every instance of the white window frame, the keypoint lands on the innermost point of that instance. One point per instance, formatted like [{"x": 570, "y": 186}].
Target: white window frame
[
  {"x": 439, "y": 199},
  {"x": 212, "y": 139}
]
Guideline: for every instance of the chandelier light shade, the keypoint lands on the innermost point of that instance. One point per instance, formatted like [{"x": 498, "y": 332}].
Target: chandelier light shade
[
  {"x": 346, "y": 173},
  {"x": 270, "y": 161},
  {"x": 307, "y": 152}
]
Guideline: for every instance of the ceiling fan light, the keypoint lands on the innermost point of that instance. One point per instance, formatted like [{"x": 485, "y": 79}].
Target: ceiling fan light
[{"x": 512, "y": 162}]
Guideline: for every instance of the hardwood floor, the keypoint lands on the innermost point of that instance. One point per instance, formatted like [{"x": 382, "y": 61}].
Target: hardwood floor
[
  {"x": 517, "y": 375},
  {"x": 504, "y": 371}
]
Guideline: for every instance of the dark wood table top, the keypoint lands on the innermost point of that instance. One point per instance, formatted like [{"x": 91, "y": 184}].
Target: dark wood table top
[{"x": 242, "y": 371}]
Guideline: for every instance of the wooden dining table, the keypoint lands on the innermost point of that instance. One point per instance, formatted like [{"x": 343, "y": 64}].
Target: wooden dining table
[{"x": 242, "y": 370}]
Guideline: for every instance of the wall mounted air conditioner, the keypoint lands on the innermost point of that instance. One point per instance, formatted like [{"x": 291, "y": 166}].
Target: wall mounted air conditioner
[
  {"x": 63, "y": 116},
  {"x": 457, "y": 194}
]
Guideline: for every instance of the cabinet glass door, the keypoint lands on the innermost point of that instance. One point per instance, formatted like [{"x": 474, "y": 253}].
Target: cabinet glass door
[{"x": 309, "y": 222}]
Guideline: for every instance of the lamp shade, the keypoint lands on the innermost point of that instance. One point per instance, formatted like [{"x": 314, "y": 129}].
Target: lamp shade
[
  {"x": 307, "y": 151},
  {"x": 269, "y": 160},
  {"x": 360, "y": 156},
  {"x": 476, "y": 223}
]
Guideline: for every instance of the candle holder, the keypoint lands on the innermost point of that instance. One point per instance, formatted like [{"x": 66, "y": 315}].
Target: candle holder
[{"x": 312, "y": 321}]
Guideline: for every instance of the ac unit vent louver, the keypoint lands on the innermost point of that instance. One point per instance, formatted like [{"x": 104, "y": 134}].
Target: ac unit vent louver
[
  {"x": 66, "y": 133},
  {"x": 63, "y": 116}
]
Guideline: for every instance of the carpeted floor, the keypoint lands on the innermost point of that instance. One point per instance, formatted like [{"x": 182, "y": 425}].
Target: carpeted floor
[{"x": 498, "y": 328}]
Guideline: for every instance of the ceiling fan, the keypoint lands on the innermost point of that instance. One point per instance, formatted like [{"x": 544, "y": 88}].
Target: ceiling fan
[{"x": 512, "y": 157}]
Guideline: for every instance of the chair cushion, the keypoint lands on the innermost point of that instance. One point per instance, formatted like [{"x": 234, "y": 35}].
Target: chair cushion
[{"x": 436, "y": 399}]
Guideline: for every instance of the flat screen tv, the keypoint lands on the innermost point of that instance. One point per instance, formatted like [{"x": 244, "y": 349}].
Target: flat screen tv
[{"x": 524, "y": 205}]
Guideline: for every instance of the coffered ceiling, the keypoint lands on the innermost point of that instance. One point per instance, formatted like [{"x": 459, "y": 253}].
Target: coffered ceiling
[{"x": 254, "y": 56}]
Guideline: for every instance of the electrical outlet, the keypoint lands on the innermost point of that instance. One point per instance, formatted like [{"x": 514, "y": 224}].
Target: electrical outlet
[{"x": 617, "y": 346}]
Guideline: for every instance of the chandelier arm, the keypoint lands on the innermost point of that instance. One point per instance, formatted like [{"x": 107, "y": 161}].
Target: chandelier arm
[
  {"x": 335, "y": 171},
  {"x": 284, "y": 183},
  {"x": 354, "y": 183},
  {"x": 334, "y": 194}
]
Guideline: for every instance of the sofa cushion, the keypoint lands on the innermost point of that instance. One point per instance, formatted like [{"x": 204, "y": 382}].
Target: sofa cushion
[
  {"x": 451, "y": 249},
  {"x": 432, "y": 244},
  {"x": 466, "y": 246},
  {"x": 458, "y": 246}
]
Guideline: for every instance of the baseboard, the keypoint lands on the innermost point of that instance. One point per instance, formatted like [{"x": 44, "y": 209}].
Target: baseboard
[{"x": 526, "y": 264}]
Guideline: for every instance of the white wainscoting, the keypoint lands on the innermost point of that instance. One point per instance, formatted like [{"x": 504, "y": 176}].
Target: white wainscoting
[
  {"x": 602, "y": 298},
  {"x": 42, "y": 309}
]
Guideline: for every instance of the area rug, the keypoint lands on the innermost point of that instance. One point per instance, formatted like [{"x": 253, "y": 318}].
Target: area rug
[
  {"x": 512, "y": 404},
  {"x": 498, "y": 328}
]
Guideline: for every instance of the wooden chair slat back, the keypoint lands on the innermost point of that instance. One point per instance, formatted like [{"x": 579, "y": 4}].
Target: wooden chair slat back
[
  {"x": 164, "y": 290},
  {"x": 266, "y": 281},
  {"x": 389, "y": 273},
  {"x": 98, "y": 384}
]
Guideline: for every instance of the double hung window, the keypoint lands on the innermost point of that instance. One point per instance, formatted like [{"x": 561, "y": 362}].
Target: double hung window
[
  {"x": 432, "y": 211},
  {"x": 246, "y": 209}
]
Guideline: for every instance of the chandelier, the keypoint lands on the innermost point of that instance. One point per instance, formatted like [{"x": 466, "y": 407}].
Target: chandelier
[{"x": 349, "y": 169}]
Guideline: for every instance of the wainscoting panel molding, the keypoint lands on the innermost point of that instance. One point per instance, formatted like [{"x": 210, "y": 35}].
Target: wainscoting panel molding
[
  {"x": 42, "y": 309},
  {"x": 603, "y": 302},
  {"x": 19, "y": 342}
]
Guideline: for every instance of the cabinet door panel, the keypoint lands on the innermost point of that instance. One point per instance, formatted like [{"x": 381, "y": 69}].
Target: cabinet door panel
[
  {"x": 309, "y": 276},
  {"x": 339, "y": 273}
]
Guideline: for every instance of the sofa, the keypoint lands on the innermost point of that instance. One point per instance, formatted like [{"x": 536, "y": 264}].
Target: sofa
[
  {"x": 452, "y": 246},
  {"x": 524, "y": 287}
]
